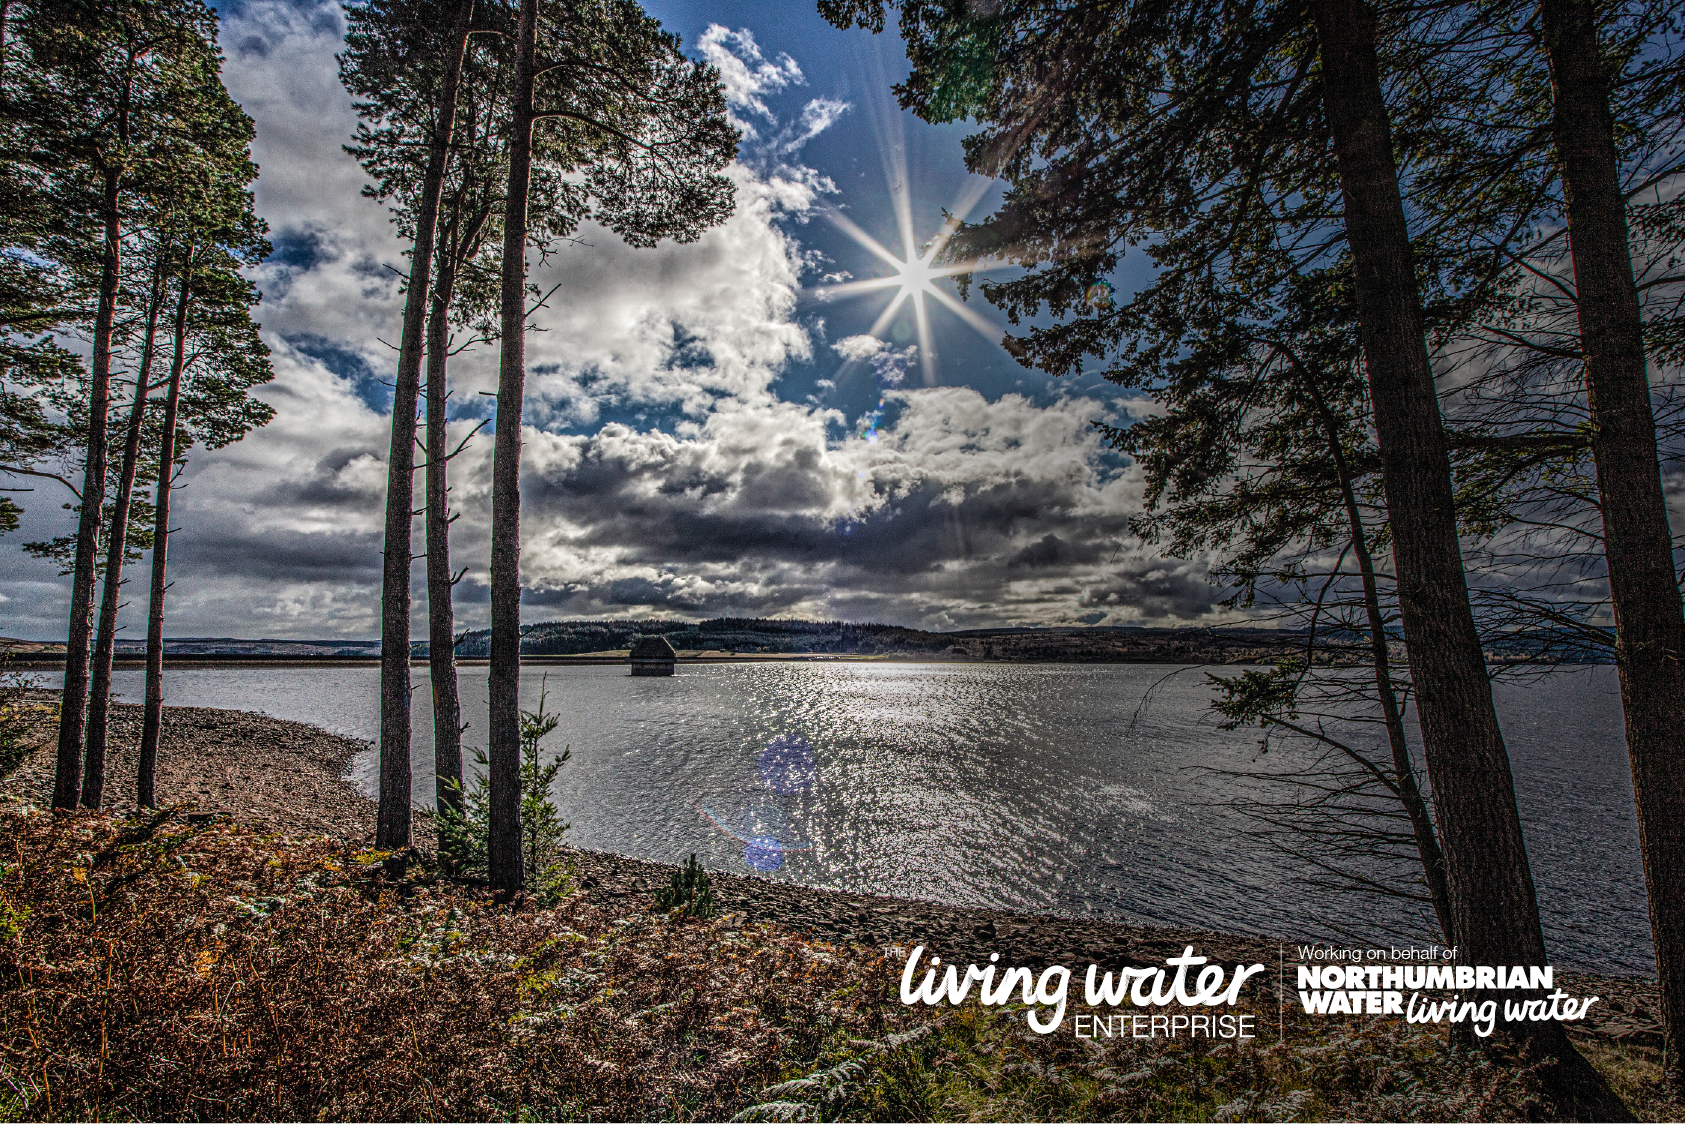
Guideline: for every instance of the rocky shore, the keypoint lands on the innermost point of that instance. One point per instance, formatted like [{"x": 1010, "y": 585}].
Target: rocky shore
[{"x": 288, "y": 776}]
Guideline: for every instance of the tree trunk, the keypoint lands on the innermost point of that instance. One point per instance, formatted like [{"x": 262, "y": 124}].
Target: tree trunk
[
  {"x": 116, "y": 542},
  {"x": 1494, "y": 912},
  {"x": 441, "y": 618},
  {"x": 1637, "y": 541},
  {"x": 152, "y": 722},
  {"x": 1404, "y": 771},
  {"x": 67, "y": 780},
  {"x": 392, "y": 825},
  {"x": 503, "y": 844}
]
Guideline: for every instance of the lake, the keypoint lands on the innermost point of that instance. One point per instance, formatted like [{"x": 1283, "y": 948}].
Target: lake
[{"x": 1059, "y": 788}]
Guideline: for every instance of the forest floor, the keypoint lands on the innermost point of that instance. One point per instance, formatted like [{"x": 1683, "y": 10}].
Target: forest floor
[{"x": 244, "y": 954}]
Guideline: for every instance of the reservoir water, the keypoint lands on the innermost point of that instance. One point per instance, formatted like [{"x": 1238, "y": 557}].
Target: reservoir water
[{"x": 1085, "y": 790}]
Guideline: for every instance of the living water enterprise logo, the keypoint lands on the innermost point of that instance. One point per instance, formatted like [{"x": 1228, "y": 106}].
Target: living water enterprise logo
[{"x": 1143, "y": 987}]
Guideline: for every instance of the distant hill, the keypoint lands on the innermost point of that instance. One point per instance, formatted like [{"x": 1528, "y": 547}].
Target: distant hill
[
  {"x": 212, "y": 646},
  {"x": 750, "y": 636},
  {"x": 746, "y": 636}
]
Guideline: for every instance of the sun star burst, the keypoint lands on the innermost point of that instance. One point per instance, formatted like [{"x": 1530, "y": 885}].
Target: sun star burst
[{"x": 915, "y": 273}]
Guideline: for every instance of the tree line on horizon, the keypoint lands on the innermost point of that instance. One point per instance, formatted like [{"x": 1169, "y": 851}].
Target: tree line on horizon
[{"x": 1413, "y": 267}]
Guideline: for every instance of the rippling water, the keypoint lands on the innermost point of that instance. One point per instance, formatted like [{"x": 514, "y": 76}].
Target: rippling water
[{"x": 1046, "y": 787}]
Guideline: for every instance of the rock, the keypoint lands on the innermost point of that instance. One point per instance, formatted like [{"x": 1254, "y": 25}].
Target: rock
[{"x": 1634, "y": 1033}]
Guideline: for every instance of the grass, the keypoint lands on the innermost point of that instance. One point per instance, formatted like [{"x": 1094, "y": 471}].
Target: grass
[
  {"x": 159, "y": 968},
  {"x": 1635, "y": 1073},
  {"x": 984, "y": 1064}
]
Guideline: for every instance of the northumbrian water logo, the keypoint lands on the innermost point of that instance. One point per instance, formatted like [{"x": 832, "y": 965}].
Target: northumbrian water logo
[{"x": 1343, "y": 986}]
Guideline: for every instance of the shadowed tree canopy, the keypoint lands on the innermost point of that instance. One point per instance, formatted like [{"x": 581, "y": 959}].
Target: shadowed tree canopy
[{"x": 1265, "y": 157}]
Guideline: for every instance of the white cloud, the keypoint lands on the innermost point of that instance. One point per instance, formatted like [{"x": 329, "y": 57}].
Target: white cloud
[
  {"x": 858, "y": 347},
  {"x": 745, "y": 73}
]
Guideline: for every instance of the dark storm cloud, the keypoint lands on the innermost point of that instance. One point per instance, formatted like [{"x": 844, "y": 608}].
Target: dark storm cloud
[
  {"x": 777, "y": 511},
  {"x": 964, "y": 511},
  {"x": 1157, "y": 588},
  {"x": 352, "y": 478},
  {"x": 281, "y": 555},
  {"x": 1051, "y": 550}
]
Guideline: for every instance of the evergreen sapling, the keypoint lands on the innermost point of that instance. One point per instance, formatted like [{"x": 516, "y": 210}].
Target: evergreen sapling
[
  {"x": 463, "y": 829},
  {"x": 690, "y": 893}
]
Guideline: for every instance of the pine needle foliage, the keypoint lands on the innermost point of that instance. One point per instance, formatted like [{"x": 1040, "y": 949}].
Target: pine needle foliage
[
  {"x": 463, "y": 834},
  {"x": 690, "y": 893}
]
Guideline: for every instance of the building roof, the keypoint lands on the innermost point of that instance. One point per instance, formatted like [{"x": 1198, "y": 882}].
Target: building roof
[{"x": 653, "y": 648}]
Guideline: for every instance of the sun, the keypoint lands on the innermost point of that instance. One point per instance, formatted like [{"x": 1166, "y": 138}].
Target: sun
[{"x": 914, "y": 279}]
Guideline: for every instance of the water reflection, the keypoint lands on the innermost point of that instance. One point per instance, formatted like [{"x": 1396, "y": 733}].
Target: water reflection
[
  {"x": 1044, "y": 787},
  {"x": 788, "y": 765}
]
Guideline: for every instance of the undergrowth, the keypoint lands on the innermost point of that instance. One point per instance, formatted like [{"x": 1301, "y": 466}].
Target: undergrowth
[
  {"x": 159, "y": 968},
  {"x": 978, "y": 1063},
  {"x": 19, "y": 718}
]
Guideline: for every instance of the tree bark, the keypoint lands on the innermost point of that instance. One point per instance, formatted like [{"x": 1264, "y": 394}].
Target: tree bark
[
  {"x": 1404, "y": 770},
  {"x": 392, "y": 825},
  {"x": 1494, "y": 911},
  {"x": 67, "y": 780},
  {"x": 1637, "y": 540},
  {"x": 441, "y": 617},
  {"x": 503, "y": 845},
  {"x": 116, "y": 543},
  {"x": 153, "y": 719}
]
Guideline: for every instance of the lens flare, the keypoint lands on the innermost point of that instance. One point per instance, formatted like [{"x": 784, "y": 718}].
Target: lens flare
[
  {"x": 914, "y": 280},
  {"x": 764, "y": 854},
  {"x": 788, "y": 765}
]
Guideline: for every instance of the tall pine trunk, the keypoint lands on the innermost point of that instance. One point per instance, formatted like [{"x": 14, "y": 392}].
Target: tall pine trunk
[
  {"x": 1404, "y": 770},
  {"x": 1494, "y": 911},
  {"x": 392, "y": 825},
  {"x": 1637, "y": 541},
  {"x": 441, "y": 617},
  {"x": 503, "y": 844},
  {"x": 67, "y": 779},
  {"x": 153, "y": 719},
  {"x": 116, "y": 543}
]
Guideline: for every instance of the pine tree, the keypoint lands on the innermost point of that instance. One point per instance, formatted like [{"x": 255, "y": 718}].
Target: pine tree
[
  {"x": 216, "y": 358},
  {"x": 404, "y": 61},
  {"x": 101, "y": 98},
  {"x": 1638, "y": 542},
  {"x": 599, "y": 90},
  {"x": 463, "y": 293}
]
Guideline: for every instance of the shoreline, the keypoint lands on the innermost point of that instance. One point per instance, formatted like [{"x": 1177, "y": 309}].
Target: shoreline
[{"x": 287, "y": 776}]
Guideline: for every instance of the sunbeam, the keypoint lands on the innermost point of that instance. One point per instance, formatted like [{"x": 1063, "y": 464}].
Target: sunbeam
[{"x": 915, "y": 274}]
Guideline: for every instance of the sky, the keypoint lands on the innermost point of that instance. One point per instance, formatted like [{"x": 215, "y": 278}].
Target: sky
[{"x": 709, "y": 430}]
